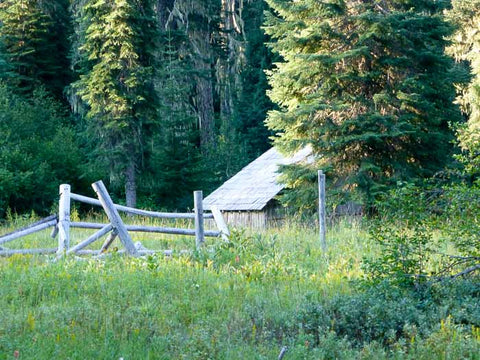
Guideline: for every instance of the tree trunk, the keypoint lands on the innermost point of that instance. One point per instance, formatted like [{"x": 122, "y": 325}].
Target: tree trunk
[
  {"x": 204, "y": 105},
  {"x": 131, "y": 184},
  {"x": 229, "y": 67}
]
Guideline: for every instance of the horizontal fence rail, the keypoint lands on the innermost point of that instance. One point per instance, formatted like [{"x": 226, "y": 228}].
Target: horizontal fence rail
[
  {"x": 133, "y": 211},
  {"x": 11, "y": 252},
  {"x": 39, "y": 222},
  {"x": 27, "y": 231},
  {"x": 147, "y": 229}
]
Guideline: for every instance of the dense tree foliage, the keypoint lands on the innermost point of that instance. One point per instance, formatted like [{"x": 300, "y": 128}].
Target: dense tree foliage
[
  {"x": 169, "y": 96},
  {"x": 367, "y": 85},
  {"x": 173, "y": 166},
  {"x": 253, "y": 102},
  {"x": 118, "y": 88},
  {"x": 29, "y": 42},
  {"x": 38, "y": 151}
]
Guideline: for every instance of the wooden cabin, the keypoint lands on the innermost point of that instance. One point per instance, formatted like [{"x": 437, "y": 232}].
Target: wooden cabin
[{"x": 248, "y": 198}]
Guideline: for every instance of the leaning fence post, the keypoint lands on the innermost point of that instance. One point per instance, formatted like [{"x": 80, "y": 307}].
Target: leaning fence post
[
  {"x": 221, "y": 224},
  {"x": 64, "y": 219},
  {"x": 114, "y": 217},
  {"x": 321, "y": 209},
  {"x": 199, "y": 228}
]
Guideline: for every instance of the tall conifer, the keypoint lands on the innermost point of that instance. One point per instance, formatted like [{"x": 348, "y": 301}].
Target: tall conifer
[
  {"x": 118, "y": 85},
  {"x": 172, "y": 166},
  {"x": 29, "y": 59},
  {"x": 367, "y": 84}
]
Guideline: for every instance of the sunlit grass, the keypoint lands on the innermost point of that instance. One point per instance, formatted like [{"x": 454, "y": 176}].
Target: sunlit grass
[{"x": 242, "y": 300}]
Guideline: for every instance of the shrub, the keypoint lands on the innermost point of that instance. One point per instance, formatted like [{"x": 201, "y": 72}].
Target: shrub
[
  {"x": 426, "y": 233},
  {"x": 38, "y": 151}
]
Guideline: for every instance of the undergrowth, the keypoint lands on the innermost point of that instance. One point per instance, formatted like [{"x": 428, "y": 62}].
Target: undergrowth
[{"x": 240, "y": 300}]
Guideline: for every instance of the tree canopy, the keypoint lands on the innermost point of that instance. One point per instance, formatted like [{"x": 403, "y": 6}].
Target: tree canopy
[
  {"x": 367, "y": 84},
  {"x": 165, "y": 97}
]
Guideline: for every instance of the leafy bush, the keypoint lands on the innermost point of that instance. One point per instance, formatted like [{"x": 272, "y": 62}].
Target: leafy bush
[
  {"x": 38, "y": 151},
  {"x": 426, "y": 233},
  {"x": 389, "y": 314}
]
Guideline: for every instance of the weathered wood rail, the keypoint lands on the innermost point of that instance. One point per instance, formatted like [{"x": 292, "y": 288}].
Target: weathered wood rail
[{"x": 62, "y": 226}]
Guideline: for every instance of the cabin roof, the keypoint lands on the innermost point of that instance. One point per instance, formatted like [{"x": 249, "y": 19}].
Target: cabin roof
[{"x": 255, "y": 185}]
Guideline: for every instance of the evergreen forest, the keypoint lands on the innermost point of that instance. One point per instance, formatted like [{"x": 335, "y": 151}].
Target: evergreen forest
[
  {"x": 157, "y": 98},
  {"x": 162, "y": 97}
]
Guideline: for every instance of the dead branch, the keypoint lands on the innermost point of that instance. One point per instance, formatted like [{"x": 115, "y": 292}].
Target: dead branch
[{"x": 466, "y": 271}]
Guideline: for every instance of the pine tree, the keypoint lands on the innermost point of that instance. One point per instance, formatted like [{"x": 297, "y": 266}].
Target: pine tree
[
  {"x": 465, "y": 14},
  {"x": 29, "y": 59},
  {"x": 173, "y": 166},
  {"x": 242, "y": 87},
  {"x": 200, "y": 21},
  {"x": 59, "y": 45},
  {"x": 203, "y": 24},
  {"x": 118, "y": 87},
  {"x": 367, "y": 84}
]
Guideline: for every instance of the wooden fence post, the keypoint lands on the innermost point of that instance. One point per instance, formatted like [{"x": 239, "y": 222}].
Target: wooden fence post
[
  {"x": 199, "y": 226},
  {"x": 321, "y": 209},
  {"x": 64, "y": 219},
  {"x": 114, "y": 217}
]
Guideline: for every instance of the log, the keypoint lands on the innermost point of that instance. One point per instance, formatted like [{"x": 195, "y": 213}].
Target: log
[
  {"x": 129, "y": 210},
  {"x": 151, "y": 252},
  {"x": 39, "y": 222},
  {"x": 79, "y": 252},
  {"x": 221, "y": 224},
  {"x": 147, "y": 229},
  {"x": 91, "y": 239},
  {"x": 199, "y": 225},
  {"x": 321, "y": 210},
  {"x": 21, "y": 233},
  {"x": 114, "y": 217},
  {"x": 6, "y": 252},
  {"x": 109, "y": 240},
  {"x": 64, "y": 219}
]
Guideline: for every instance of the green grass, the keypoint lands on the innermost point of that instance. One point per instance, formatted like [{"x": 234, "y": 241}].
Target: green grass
[{"x": 240, "y": 301}]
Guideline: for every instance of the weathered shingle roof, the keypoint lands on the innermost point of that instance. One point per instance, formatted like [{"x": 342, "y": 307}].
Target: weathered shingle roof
[{"x": 255, "y": 185}]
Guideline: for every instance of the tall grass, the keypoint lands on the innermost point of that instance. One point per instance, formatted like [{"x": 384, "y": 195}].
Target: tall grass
[{"x": 242, "y": 300}]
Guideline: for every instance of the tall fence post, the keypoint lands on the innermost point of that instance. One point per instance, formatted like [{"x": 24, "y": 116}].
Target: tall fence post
[
  {"x": 321, "y": 209},
  {"x": 199, "y": 226},
  {"x": 64, "y": 219}
]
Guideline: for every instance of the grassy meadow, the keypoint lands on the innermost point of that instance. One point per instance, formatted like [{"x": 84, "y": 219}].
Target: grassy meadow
[{"x": 242, "y": 300}]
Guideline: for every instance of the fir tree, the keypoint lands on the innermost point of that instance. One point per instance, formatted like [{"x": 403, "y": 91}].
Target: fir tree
[
  {"x": 367, "y": 84},
  {"x": 118, "y": 87},
  {"x": 29, "y": 58},
  {"x": 173, "y": 166},
  {"x": 59, "y": 44}
]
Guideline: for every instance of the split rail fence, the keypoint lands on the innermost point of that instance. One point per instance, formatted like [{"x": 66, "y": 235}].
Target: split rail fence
[{"x": 62, "y": 226}]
